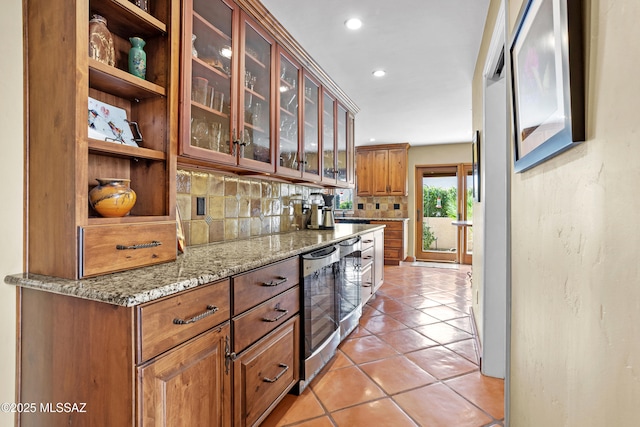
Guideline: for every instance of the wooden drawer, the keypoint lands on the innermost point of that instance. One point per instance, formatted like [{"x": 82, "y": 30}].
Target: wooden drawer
[
  {"x": 165, "y": 323},
  {"x": 393, "y": 235},
  {"x": 264, "y": 374},
  {"x": 367, "y": 241},
  {"x": 256, "y": 323},
  {"x": 117, "y": 247},
  {"x": 393, "y": 243},
  {"x": 367, "y": 256},
  {"x": 392, "y": 253},
  {"x": 257, "y": 286}
]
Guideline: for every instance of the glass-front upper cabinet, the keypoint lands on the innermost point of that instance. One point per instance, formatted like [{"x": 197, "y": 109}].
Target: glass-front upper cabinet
[
  {"x": 328, "y": 139},
  {"x": 288, "y": 117},
  {"x": 341, "y": 147},
  {"x": 311, "y": 129},
  {"x": 255, "y": 97},
  {"x": 207, "y": 70}
]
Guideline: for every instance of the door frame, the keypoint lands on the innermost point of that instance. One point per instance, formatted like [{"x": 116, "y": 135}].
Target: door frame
[{"x": 460, "y": 256}]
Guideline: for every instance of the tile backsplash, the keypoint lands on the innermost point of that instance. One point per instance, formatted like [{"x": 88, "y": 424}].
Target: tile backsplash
[
  {"x": 381, "y": 207},
  {"x": 235, "y": 207}
]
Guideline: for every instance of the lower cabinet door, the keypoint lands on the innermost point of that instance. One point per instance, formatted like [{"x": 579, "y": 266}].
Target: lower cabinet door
[
  {"x": 264, "y": 373},
  {"x": 189, "y": 385}
]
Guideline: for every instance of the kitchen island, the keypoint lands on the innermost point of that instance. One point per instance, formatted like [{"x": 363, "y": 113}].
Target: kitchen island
[{"x": 212, "y": 338}]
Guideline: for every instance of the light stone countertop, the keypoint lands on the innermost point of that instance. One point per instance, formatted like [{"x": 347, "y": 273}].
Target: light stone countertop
[{"x": 197, "y": 266}]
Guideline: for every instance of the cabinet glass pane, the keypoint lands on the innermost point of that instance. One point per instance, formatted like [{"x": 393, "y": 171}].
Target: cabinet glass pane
[
  {"x": 255, "y": 143},
  {"x": 328, "y": 142},
  {"x": 210, "y": 76},
  {"x": 341, "y": 146},
  {"x": 311, "y": 150},
  {"x": 288, "y": 114}
]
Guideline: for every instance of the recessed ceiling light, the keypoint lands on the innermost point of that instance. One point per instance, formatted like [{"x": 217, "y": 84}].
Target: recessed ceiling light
[
  {"x": 379, "y": 73},
  {"x": 353, "y": 23},
  {"x": 372, "y": 140}
]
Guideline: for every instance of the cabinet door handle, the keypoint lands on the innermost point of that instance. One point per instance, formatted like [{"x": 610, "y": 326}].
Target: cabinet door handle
[
  {"x": 275, "y": 282},
  {"x": 284, "y": 367},
  {"x": 283, "y": 312},
  {"x": 210, "y": 310},
  {"x": 139, "y": 246}
]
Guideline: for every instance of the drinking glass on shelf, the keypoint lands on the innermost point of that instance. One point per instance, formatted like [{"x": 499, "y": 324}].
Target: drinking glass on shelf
[
  {"x": 215, "y": 135},
  {"x": 199, "y": 90},
  {"x": 199, "y": 133}
]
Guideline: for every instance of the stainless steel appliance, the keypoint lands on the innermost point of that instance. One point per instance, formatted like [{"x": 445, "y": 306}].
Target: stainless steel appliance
[
  {"x": 327, "y": 212},
  {"x": 348, "y": 286},
  {"x": 320, "y": 322}
]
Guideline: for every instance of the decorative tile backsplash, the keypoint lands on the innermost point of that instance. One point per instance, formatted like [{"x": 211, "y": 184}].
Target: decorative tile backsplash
[
  {"x": 234, "y": 207},
  {"x": 381, "y": 207}
]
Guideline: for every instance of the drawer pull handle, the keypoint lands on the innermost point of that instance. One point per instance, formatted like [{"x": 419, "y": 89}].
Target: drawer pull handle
[
  {"x": 283, "y": 312},
  {"x": 367, "y": 241},
  {"x": 284, "y": 367},
  {"x": 210, "y": 310},
  {"x": 275, "y": 282},
  {"x": 366, "y": 285},
  {"x": 367, "y": 257},
  {"x": 139, "y": 246}
]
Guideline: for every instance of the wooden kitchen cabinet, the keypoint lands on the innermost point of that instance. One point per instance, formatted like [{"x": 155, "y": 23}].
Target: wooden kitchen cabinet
[
  {"x": 129, "y": 365},
  {"x": 266, "y": 338},
  {"x": 190, "y": 385},
  {"x": 227, "y": 85},
  {"x": 265, "y": 372},
  {"x": 382, "y": 170},
  {"x": 64, "y": 161},
  {"x": 395, "y": 241}
]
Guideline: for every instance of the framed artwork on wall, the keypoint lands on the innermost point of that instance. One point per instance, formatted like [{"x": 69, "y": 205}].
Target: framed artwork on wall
[{"x": 547, "y": 80}]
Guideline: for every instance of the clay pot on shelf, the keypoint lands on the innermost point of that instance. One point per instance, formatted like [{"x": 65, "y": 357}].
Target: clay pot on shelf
[
  {"x": 113, "y": 197},
  {"x": 101, "y": 47}
]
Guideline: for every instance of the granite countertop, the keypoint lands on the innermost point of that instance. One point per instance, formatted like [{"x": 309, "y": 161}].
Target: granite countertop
[{"x": 197, "y": 266}]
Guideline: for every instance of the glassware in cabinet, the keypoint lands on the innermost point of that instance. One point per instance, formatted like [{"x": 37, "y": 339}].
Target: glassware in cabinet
[
  {"x": 207, "y": 86},
  {"x": 342, "y": 152},
  {"x": 288, "y": 117},
  {"x": 328, "y": 139},
  {"x": 256, "y": 151},
  {"x": 311, "y": 129}
]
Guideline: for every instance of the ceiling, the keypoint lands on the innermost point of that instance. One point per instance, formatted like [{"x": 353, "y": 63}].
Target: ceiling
[{"x": 428, "y": 49}]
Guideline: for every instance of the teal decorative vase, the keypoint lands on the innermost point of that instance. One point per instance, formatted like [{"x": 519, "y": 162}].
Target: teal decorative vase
[{"x": 137, "y": 58}]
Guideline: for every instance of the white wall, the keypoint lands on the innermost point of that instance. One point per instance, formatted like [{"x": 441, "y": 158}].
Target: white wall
[
  {"x": 11, "y": 176},
  {"x": 575, "y": 327}
]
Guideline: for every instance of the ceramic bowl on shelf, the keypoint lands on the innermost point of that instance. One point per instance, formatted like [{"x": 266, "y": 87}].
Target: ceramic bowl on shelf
[{"x": 113, "y": 197}]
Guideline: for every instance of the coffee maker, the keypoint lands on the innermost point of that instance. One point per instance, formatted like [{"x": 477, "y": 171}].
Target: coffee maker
[
  {"x": 315, "y": 217},
  {"x": 327, "y": 212}
]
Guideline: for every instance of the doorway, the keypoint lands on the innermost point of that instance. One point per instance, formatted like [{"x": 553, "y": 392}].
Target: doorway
[{"x": 444, "y": 195}]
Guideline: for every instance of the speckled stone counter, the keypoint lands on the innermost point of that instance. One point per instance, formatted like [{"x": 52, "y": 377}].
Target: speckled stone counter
[{"x": 197, "y": 266}]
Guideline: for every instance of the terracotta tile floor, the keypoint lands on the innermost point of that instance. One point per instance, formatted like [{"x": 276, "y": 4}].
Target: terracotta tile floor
[{"x": 411, "y": 362}]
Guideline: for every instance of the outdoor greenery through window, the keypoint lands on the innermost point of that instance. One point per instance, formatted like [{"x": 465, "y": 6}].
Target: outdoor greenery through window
[
  {"x": 344, "y": 199},
  {"x": 441, "y": 200}
]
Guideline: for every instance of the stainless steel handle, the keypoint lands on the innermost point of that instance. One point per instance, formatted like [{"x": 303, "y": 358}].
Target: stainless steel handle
[
  {"x": 277, "y": 377},
  {"x": 366, "y": 284},
  {"x": 139, "y": 246},
  {"x": 275, "y": 282},
  {"x": 367, "y": 241},
  {"x": 367, "y": 257},
  {"x": 283, "y": 312},
  {"x": 210, "y": 310}
]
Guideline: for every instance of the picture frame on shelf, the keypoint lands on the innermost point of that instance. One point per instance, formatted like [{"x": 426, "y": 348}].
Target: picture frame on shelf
[
  {"x": 547, "y": 81},
  {"x": 109, "y": 123},
  {"x": 475, "y": 165}
]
